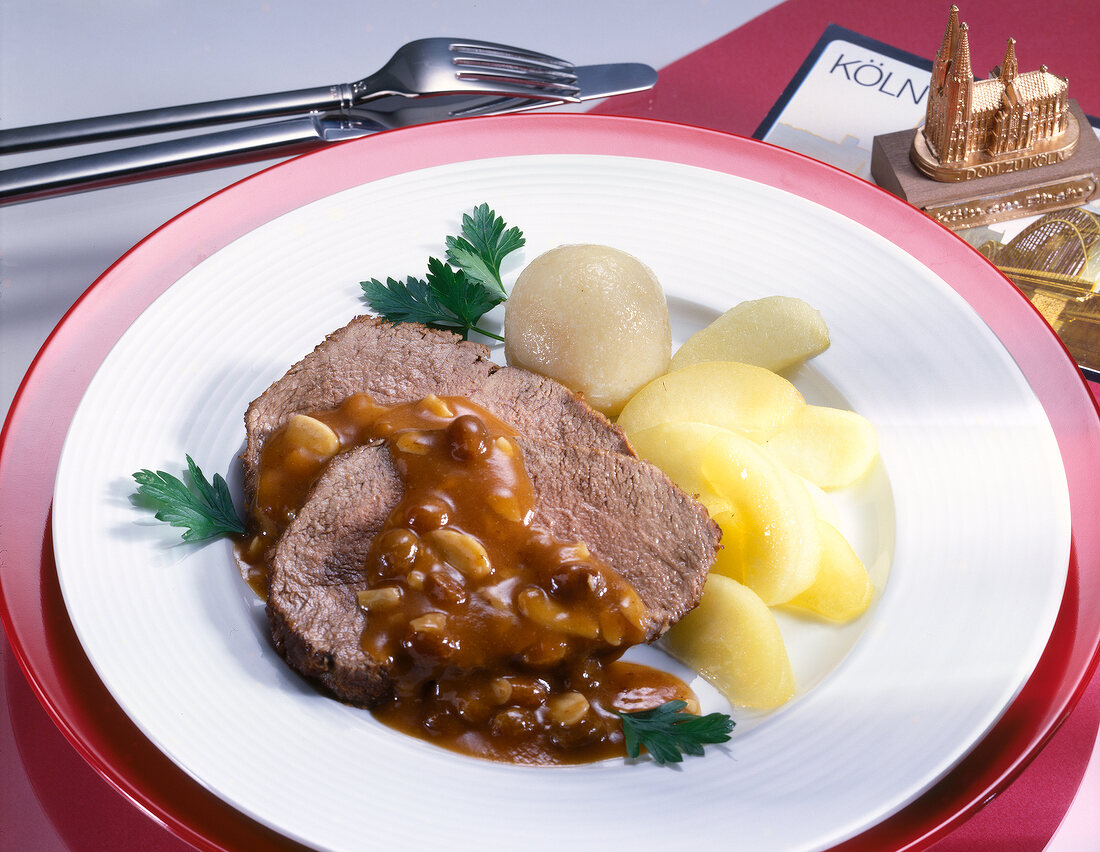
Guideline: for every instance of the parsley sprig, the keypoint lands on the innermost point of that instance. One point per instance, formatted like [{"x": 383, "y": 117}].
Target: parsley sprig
[
  {"x": 456, "y": 294},
  {"x": 668, "y": 733},
  {"x": 483, "y": 245},
  {"x": 204, "y": 509}
]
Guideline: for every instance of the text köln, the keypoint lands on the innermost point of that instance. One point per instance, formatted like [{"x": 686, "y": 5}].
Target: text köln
[{"x": 871, "y": 74}]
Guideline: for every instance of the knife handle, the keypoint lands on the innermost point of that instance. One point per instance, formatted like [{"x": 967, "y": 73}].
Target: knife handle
[
  {"x": 186, "y": 117},
  {"x": 162, "y": 159}
]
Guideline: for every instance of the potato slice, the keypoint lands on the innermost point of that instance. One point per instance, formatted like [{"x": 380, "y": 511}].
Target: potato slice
[
  {"x": 733, "y": 640},
  {"x": 676, "y": 449},
  {"x": 776, "y": 332},
  {"x": 842, "y": 589},
  {"x": 823, "y": 504},
  {"x": 831, "y": 447},
  {"x": 740, "y": 397},
  {"x": 772, "y": 534}
]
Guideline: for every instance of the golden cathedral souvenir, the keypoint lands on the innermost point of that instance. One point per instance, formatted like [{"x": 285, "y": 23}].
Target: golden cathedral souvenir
[{"x": 1009, "y": 146}]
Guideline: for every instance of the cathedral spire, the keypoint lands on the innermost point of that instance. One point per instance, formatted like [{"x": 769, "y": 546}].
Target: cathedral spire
[
  {"x": 947, "y": 48},
  {"x": 957, "y": 89},
  {"x": 960, "y": 67},
  {"x": 1009, "y": 67}
]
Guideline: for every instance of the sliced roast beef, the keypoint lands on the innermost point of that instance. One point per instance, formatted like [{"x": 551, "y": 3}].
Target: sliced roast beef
[
  {"x": 316, "y": 623},
  {"x": 627, "y": 512},
  {"x": 543, "y": 408},
  {"x": 393, "y": 363},
  {"x": 631, "y": 515},
  {"x": 406, "y": 362}
]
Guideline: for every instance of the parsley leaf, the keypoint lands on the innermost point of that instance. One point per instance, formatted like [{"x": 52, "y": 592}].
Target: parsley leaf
[
  {"x": 455, "y": 295},
  {"x": 413, "y": 300},
  {"x": 483, "y": 245},
  {"x": 668, "y": 734},
  {"x": 204, "y": 509},
  {"x": 448, "y": 299}
]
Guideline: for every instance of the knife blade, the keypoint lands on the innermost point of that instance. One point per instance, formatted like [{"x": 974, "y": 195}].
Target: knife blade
[
  {"x": 289, "y": 136},
  {"x": 594, "y": 82}
]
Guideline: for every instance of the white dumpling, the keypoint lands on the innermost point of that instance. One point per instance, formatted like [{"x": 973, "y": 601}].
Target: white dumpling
[{"x": 592, "y": 317}]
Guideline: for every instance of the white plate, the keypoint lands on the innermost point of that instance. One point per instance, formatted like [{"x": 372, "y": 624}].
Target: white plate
[{"x": 964, "y": 523}]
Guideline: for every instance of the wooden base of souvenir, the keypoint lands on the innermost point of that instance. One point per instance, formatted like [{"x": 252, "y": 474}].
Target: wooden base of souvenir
[{"x": 1070, "y": 182}]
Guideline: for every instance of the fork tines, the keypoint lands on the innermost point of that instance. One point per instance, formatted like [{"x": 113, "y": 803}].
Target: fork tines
[
  {"x": 550, "y": 76},
  {"x": 506, "y": 53}
]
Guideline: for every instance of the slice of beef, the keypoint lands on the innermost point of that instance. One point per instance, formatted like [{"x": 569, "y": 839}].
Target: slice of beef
[
  {"x": 543, "y": 408},
  {"x": 315, "y": 619},
  {"x": 394, "y": 363},
  {"x": 633, "y": 517},
  {"x": 406, "y": 362},
  {"x": 626, "y": 510}
]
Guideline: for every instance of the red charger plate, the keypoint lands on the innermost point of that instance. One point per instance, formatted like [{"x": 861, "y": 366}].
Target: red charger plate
[{"x": 31, "y": 605}]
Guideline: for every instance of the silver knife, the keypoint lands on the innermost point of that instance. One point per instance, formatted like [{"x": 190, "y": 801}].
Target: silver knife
[{"x": 289, "y": 136}]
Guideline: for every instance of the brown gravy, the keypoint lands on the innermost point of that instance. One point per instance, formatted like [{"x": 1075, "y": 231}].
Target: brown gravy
[{"x": 502, "y": 641}]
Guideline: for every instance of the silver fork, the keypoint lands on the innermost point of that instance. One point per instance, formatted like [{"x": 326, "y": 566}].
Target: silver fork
[{"x": 429, "y": 66}]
